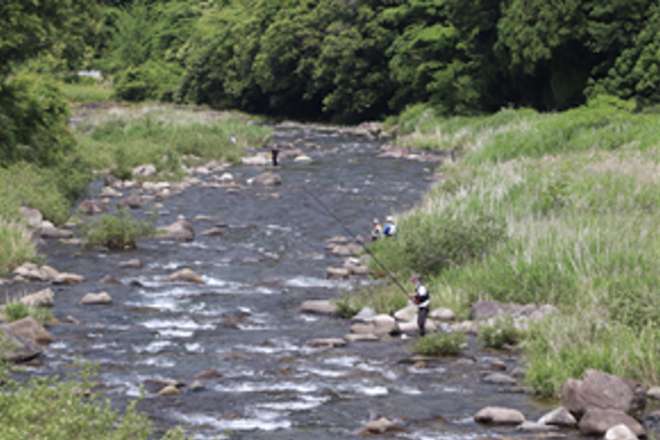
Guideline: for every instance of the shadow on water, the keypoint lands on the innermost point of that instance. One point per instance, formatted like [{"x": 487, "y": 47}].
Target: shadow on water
[{"x": 244, "y": 321}]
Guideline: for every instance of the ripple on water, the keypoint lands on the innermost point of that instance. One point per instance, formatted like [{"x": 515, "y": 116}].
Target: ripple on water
[
  {"x": 305, "y": 403},
  {"x": 261, "y": 422},
  {"x": 268, "y": 387}
]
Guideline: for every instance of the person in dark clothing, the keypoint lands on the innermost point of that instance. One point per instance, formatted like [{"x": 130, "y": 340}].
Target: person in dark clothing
[
  {"x": 274, "y": 152},
  {"x": 422, "y": 299}
]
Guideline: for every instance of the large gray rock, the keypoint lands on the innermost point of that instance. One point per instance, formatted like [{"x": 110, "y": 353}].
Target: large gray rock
[
  {"x": 601, "y": 391},
  {"x": 14, "y": 348},
  {"x": 321, "y": 307},
  {"x": 365, "y": 314},
  {"x": 181, "y": 230},
  {"x": 599, "y": 421},
  {"x": 28, "y": 328},
  {"x": 42, "y": 298},
  {"x": 363, "y": 328},
  {"x": 620, "y": 432},
  {"x": 499, "y": 416},
  {"x": 408, "y": 313},
  {"x": 559, "y": 417},
  {"x": 101, "y": 298},
  {"x": 383, "y": 324}
]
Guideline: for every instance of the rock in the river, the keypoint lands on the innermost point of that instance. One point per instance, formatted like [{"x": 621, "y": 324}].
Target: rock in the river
[
  {"x": 559, "y": 417},
  {"x": 68, "y": 278},
  {"x": 345, "y": 250},
  {"x": 100, "y": 298},
  {"x": 16, "y": 348},
  {"x": 365, "y": 314},
  {"x": 379, "y": 426},
  {"x": 134, "y": 263},
  {"x": 91, "y": 207},
  {"x": 42, "y": 298},
  {"x": 599, "y": 421},
  {"x": 499, "y": 379},
  {"x": 326, "y": 342},
  {"x": 181, "y": 229},
  {"x": 187, "y": 276},
  {"x": 267, "y": 179},
  {"x": 321, "y": 307},
  {"x": 442, "y": 314},
  {"x": 302, "y": 158},
  {"x": 33, "y": 217},
  {"x": 133, "y": 201},
  {"x": 620, "y": 432},
  {"x": 383, "y": 324},
  {"x": 48, "y": 230},
  {"x": 653, "y": 393},
  {"x": 31, "y": 330},
  {"x": 528, "y": 426},
  {"x": 31, "y": 271},
  {"x": 208, "y": 374},
  {"x": 109, "y": 279},
  {"x": 599, "y": 390},
  {"x": 169, "y": 390},
  {"x": 257, "y": 159},
  {"x": 499, "y": 416},
  {"x": 352, "y": 337},
  {"x": 146, "y": 170},
  {"x": 226, "y": 177},
  {"x": 109, "y": 191},
  {"x": 336, "y": 273},
  {"x": 408, "y": 313},
  {"x": 213, "y": 232}
]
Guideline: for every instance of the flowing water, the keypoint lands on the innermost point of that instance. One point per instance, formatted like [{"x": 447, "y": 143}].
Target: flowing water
[{"x": 244, "y": 320}]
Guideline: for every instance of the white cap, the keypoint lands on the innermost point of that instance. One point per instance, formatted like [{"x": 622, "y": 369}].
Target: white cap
[{"x": 390, "y": 219}]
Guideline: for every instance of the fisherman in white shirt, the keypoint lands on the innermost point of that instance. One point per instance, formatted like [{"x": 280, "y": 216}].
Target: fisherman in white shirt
[
  {"x": 423, "y": 301},
  {"x": 389, "y": 228}
]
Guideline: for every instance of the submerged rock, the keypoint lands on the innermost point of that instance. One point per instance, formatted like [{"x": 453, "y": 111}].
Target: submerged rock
[
  {"x": 499, "y": 416},
  {"x": 181, "y": 230},
  {"x": 187, "y": 276},
  {"x": 321, "y": 307},
  {"x": 100, "y": 298}
]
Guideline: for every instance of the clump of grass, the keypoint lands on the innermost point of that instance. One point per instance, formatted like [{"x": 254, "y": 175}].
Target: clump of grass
[
  {"x": 440, "y": 344},
  {"x": 117, "y": 232},
  {"x": 15, "y": 311},
  {"x": 86, "y": 92},
  {"x": 500, "y": 334},
  {"x": 385, "y": 299},
  {"x": 15, "y": 245}
]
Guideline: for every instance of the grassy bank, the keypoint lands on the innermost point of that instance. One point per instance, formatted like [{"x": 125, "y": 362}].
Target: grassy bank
[
  {"x": 116, "y": 138},
  {"x": 559, "y": 208}
]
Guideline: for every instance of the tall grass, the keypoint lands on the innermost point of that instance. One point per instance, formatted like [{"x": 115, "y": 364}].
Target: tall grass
[
  {"x": 572, "y": 202},
  {"x": 15, "y": 244},
  {"x": 86, "y": 92}
]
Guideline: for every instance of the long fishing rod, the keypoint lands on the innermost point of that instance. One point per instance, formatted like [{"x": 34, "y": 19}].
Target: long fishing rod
[{"x": 346, "y": 229}]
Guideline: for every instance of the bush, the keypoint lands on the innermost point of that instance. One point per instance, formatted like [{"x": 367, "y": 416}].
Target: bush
[
  {"x": 16, "y": 310},
  {"x": 117, "y": 232},
  {"x": 151, "y": 80},
  {"x": 440, "y": 344},
  {"x": 502, "y": 333},
  {"x": 385, "y": 299}
]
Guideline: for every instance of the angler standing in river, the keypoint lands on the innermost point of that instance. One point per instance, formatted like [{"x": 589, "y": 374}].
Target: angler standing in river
[{"x": 423, "y": 301}]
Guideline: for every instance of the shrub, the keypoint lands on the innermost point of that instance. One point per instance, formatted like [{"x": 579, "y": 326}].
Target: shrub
[
  {"x": 151, "y": 80},
  {"x": 440, "y": 344},
  {"x": 16, "y": 310},
  {"x": 502, "y": 333},
  {"x": 117, "y": 232},
  {"x": 385, "y": 299}
]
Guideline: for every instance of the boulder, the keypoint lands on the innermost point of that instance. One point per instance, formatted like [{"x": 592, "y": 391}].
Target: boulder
[
  {"x": 109, "y": 191},
  {"x": 187, "y": 276},
  {"x": 16, "y": 348},
  {"x": 28, "y": 328},
  {"x": 499, "y": 416},
  {"x": 267, "y": 179},
  {"x": 653, "y": 393},
  {"x": 321, "y": 307},
  {"x": 365, "y": 314},
  {"x": 620, "y": 432},
  {"x": 336, "y": 273},
  {"x": 100, "y": 298},
  {"x": 383, "y": 324},
  {"x": 598, "y": 421},
  {"x": 528, "y": 426},
  {"x": 48, "y": 230},
  {"x": 598, "y": 390},
  {"x": 33, "y": 217},
  {"x": 68, "y": 278},
  {"x": 499, "y": 379},
  {"x": 257, "y": 159},
  {"x": 442, "y": 314},
  {"x": 408, "y": 313},
  {"x": 134, "y": 263},
  {"x": 363, "y": 329},
  {"x": 146, "y": 170},
  {"x": 42, "y": 298},
  {"x": 379, "y": 426},
  {"x": 169, "y": 390},
  {"x": 559, "y": 417},
  {"x": 326, "y": 342},
  {"x": 31, "y": 271},
  {"x": 181, "y": 229}
]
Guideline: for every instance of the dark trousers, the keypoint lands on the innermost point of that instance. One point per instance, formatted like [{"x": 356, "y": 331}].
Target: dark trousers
[
  {"x": 273, "y": 155},
  {"x": 422, "y": 314}
]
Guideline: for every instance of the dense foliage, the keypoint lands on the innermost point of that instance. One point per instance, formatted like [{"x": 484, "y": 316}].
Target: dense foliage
[{"x": 361, "y": 59}]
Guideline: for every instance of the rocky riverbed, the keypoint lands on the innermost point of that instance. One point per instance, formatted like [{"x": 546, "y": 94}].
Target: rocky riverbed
[{"x": 207, "y": 324}]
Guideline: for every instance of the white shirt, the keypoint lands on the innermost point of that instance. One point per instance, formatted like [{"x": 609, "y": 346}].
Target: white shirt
[{"x": 422, "y": 294}]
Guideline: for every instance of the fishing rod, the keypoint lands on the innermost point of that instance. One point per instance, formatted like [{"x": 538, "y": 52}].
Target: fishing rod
[{"x": 346, "y": 229}]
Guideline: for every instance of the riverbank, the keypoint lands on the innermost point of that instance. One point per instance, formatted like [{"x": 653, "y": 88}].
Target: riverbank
[{"x": 560, "y": 209}]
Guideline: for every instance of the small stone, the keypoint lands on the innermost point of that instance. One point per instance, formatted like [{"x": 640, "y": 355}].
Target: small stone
[
  {"x": 499, "y": 379},
  {"x": 134, "y": 263},
  {"x": 101, "y": 298},
  {"x": 186, "y": 275},
  {"x": 133, "y": 201},
  {"x": 302, "y": 158},
  {"x": 494, "y": 364},
  {"x": 110, "y": 192},
  {"x": 109, "y": 279},
  {"x": 559, "y": 417},
  {"x": 267, "y": 179},
  {"x": 620, "y": 432},
  {"x": 226, "y": 177},
  {"x": 169, "y": 390},
  {"x": 499, "y": 416},
  {"x": 42, "y": 298},
  {"x": 197, "y": 386},
  {"x": 258, "y": 159},
  {"x": 336, "y": 273},
  {"x": 182, "y": 230}
]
